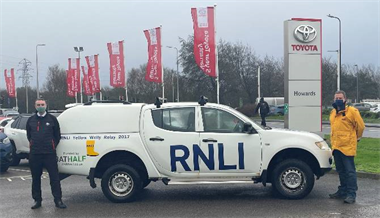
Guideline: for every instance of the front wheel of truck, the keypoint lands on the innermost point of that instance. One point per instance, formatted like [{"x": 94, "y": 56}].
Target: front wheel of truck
[
  {"x": 121, "y": 183},
  {"x": 292, "y": 179}
]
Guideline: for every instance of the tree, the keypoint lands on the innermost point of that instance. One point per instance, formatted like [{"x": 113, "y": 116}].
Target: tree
[{"x": 55, "y": 88}]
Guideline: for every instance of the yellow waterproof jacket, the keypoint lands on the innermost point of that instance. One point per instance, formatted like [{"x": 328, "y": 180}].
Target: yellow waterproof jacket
[{"x": 346, "y": 127}]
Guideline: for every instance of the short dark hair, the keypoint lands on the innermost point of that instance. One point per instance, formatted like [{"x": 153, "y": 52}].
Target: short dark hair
[
  {"x": 40, "y": 99},
  {"x": 341, "y": 92}
]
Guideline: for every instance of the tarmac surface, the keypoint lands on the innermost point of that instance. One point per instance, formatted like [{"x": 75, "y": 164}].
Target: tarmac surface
[{"x": 206, "y": 200}]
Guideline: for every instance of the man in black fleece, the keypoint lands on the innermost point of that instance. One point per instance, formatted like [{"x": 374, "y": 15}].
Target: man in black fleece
[{"x": 44, "y": 134}]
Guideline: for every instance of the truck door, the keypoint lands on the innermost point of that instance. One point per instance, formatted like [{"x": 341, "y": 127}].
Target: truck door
[
  {"x": 170, "y": 134},
  {"x": 234, "y": 150}
]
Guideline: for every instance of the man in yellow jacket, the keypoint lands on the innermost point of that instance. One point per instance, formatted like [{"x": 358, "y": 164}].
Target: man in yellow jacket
[{"x": 347, "y": 128}]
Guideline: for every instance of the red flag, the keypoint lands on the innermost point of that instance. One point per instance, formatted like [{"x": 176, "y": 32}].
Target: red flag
[
  {"x": 204, "y": 39},
  {"x": 154, "y": 67},
  {"x": 86, "y": 83},
  {"x": 75, "y": 74},
  {"x": 10, "y": 82},
  {"x": 69, "y": 81},
  {"x": 117, "y": 72},
  {"x": 93, "y": 73}
]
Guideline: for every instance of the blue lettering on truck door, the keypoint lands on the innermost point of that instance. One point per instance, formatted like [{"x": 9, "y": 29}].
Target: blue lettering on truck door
[{"x": 199, "y": 154}]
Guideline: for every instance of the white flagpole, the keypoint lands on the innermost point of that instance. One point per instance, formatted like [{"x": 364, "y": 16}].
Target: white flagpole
[
  {"x": 216, "y": 58},
  {"x": 162, "y": 66}
]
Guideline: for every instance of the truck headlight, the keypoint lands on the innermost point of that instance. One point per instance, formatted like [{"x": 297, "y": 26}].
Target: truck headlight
[{"x": 322, "y": 145}]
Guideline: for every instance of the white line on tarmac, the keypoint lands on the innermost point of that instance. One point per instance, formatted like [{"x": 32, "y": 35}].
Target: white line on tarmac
[{"x": 10, "y": 180}]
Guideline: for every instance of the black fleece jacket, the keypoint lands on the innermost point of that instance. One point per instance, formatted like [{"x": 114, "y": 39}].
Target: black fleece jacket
[{"x": 43, "y": 134}]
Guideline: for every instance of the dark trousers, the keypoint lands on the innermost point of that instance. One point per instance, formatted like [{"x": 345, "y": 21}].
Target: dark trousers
[
  {"x": 345, "y": 166},
  {"x": 263, "y": 123},
  {"x": 48, "y": 161}
]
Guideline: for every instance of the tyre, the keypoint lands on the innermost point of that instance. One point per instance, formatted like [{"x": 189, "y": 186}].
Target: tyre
[
  {"x": 3, "y": 168},
  {"x": 146, "y": 183},
  {"x": 121, "y": 183},
  {"x": 15, "y": 159},
  {"x": 292, "y": 179}
]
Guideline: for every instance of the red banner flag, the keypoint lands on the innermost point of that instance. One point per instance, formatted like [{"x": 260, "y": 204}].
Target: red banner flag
[
  {"x": 70, "y": 83},
  {"x": 86, "y": 83},
  {"x": 154, "y": 67},
  {"x": 117, "y": 72},
  {"x": 10, "y": 82},
  {"x": 93, "y": 73},
  {"x": 75, "y": 74},
  {"x": 204, "y": 39}
]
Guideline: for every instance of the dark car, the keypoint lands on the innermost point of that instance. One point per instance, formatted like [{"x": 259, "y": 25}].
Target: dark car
[{"x": 6, "y": 153}]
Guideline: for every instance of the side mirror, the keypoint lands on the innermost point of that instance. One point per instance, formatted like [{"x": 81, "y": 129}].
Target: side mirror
[{"x": 248, "y": 128}]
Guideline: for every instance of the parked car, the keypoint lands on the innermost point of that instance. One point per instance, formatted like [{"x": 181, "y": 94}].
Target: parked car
[
  {"x": 5, "y": 113},
  {"x": 3, "y": 123},
  {"x": 6, "y": 153},
  {"x": 276, "y": 110},
  {"x": 16, "y": 131},
  {"x": 362, "y": 106},
  {"x": 11, "y": 113},
  {"x": 375, "y": 108}
]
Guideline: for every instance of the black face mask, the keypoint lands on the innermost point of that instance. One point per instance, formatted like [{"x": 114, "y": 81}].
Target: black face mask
[{"x": 339, "y": 105}]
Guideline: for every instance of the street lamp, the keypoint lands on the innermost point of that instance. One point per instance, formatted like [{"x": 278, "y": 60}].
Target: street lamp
[
  {"x": 338, "y": 70},
  {"x": 357, "y": 83},
  {"x": 177, "y": 72},
  {"x": 340, "y": 47},
  {"x": 38, "y": 87},
  {"x": 79, "y": 50}
]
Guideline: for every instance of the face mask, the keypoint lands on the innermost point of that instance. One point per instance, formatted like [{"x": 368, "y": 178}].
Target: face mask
[
  {"x": 340, "y": 104},
  {"x": 41, "y": 109}
]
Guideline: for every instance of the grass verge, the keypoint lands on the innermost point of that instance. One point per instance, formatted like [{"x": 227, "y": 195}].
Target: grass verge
[{"x": 368, "y": 155}]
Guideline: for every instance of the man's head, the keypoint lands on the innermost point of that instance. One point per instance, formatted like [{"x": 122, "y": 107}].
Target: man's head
[
  {"x": 40, "y": 105},
  {"x": 262, "y": 99},
  {"x": 340, "y": 95}
]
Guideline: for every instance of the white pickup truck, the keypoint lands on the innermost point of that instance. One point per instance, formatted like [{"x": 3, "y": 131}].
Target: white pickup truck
[{"x": 129, "y": 145}]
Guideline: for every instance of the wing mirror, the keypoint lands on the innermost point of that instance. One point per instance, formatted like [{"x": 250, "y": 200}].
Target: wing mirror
[{"x": 249, "y": 129}]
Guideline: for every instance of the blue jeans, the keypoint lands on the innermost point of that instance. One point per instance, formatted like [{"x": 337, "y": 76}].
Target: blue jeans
[{"x": 345, "y": 166}]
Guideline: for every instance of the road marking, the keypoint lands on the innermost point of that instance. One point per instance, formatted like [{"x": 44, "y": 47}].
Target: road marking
[
  {"x": 20, "y": 170},
  {"x": 10, "y": 180},
  {"x": 22, "y": 178}
]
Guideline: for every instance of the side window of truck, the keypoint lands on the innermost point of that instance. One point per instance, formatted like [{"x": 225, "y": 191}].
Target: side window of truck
[
  {"x": 215, "y": 120},
  {"x": 175, "y": 119}
]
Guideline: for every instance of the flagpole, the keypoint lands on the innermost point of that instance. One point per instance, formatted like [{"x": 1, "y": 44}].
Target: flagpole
[
  {"x": 162, "y": 67},
  {"x": 216, "y": 58},
  {"x": 125, "y": 74}
]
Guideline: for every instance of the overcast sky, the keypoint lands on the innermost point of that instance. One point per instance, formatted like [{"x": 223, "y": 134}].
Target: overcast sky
[{"x": 61, "y": 25}]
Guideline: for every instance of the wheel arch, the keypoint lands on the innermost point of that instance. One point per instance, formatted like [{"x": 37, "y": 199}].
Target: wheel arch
[
  {"x": 120, "y": 157},
  {"x": 295, "y": 153}
]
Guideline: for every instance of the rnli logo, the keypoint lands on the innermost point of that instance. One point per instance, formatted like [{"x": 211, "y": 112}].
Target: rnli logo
[{"x": 305, "y": 33}]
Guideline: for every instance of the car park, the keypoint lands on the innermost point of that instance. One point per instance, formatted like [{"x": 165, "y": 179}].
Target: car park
[
  {"x": 16, "y": 131},
  {"x": 6, "y": 153},
  {"x": 129, "y": 145},
  {"x": 5, "y": 113}
]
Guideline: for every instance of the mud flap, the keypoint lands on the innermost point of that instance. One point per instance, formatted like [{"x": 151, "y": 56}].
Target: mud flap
[{"x": 91, "y": 177}]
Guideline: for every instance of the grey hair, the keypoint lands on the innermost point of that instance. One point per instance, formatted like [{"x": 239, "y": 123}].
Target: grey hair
[{"x": 341, "y": 92}]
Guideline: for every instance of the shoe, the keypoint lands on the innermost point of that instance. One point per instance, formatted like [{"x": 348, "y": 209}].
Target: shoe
[
  {"x": 37, "y": 204},
  {"x": 338, "y": 195},
  {"x": 60, "y": 204},
  {"x": 349, "y": 200}
]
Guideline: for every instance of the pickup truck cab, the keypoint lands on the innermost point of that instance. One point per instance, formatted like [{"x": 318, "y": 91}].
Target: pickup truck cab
[{"x": 129, "y": 145}]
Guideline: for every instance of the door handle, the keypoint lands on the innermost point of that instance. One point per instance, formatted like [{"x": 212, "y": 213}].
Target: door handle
[
  {"x": 157, "y": 139},
  {"x": 209, "y": 140}
]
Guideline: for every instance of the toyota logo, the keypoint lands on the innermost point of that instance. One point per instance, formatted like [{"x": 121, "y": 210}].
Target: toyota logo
[{"x": 305, "y": 33}]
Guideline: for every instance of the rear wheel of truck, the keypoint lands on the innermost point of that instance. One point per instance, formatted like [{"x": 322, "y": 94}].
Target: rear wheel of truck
[
  {"x": 292, "y": 179},
  {"x": 121, "y": 183}
]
